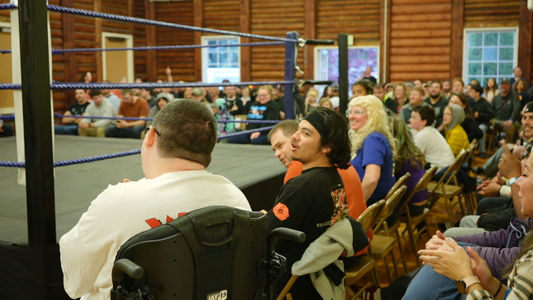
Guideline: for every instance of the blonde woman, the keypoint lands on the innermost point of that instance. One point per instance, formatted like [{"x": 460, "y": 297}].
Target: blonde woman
[
  {"x": 372, "y": 146},
  {"x": 311, "y": 101}
]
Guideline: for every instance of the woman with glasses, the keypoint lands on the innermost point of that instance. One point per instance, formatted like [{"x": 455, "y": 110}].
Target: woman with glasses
[{"x": 372, "y": 146}]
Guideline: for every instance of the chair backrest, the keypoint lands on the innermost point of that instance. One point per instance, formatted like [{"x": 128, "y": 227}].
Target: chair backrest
[
  {"x": 210, "y": 253},
  {"x": 420, "y": 186},
  {"x": 371, "y": 214},
  {"x": 401, "y": 181},
  {"x": 450, "y": 174},
  {"x": 389, "y": 207}
]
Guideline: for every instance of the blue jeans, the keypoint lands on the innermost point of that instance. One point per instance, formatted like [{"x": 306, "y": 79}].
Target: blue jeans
[
  {"x": 483, "y": 140},
  {"x": 128, "y": 132},
  {"x": 66, "y": 129},
  {"x": 428, "y": 285},
  {"x": 245, "y": 139}
]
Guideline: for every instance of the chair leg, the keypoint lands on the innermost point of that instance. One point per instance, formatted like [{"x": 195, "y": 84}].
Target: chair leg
[
  {"x": 402, "y": 253},
  {"x": 394, "y": 262},
  {"x": 412, "y": 240},
  {"x": 389, "y": 273}
]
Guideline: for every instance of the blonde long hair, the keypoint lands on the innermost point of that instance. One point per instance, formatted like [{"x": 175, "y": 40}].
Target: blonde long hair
[{"x": 377, "y": 121}]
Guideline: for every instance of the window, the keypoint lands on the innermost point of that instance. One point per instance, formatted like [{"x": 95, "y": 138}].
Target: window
[
  {"x": 359, "y": 58},
  {"x": 219, "y": 63},
  {"x": 490, "y": 53}
]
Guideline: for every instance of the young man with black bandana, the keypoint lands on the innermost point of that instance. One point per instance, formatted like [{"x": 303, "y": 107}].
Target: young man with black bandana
[{"x": 313, "y": 201}]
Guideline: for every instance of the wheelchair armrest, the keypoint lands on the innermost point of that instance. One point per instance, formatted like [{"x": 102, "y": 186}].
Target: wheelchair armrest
[
  {"x": 284, "y": 233},
  {"x": 126, "y": 266}
]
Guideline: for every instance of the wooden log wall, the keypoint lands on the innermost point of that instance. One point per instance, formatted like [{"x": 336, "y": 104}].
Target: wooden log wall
[{"x": 421, "y": 41}]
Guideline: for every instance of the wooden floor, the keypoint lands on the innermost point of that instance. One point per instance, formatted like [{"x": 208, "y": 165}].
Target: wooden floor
[{"x": 437, "y": 214}]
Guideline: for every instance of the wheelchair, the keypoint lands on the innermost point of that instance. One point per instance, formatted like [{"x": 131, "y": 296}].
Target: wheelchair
[{"x": 213, "y": 253}]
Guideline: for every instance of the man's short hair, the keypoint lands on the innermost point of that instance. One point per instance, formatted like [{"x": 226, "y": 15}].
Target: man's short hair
[
  {"x": 436, "y": 81},
  {"x": 149, "y": 90},
  {"x": 337, "y": 139},
  {"x": 126, "y": 91},
  {"x": 477, "y": 88},
  {"x": 459, "y": 79},
  {"x": 367, "y": 85},
  {"x": 95, "y": 92},
  {"x": 420, "y": 90},
  {"x": 187, "y": 130},
  {"x": 288, "y": 127},
  {"x": 427, "y": 113}
]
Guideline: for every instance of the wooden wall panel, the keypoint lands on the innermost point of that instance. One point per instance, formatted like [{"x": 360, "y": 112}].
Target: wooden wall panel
[
  {"x": 140, "y": 40},
  {"x": 84, "y": 38},
  {"x": 274, "y": 18},
  {"x": 420, "y": 40},
  {"x": 180, "y": 61},
  {"x": 491, "y": 13},
  {"x": 222, "y": 14}
]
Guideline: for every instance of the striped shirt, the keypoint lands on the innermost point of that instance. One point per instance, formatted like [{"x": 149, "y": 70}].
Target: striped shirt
[{"x": 520, "y": 281}]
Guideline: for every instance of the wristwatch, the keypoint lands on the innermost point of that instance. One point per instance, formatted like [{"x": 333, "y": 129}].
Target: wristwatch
[
  {"x": 513, "y": 180},
  {"x": 463, "y": 284}
]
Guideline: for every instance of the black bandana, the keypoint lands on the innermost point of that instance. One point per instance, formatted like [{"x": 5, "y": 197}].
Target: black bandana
[{"x": 317, "y": 120}]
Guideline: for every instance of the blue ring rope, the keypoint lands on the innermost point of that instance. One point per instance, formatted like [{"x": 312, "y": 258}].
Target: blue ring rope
[
  {"x": 5, "y": 6},
  {"x": 161, "y": 24},
  {"x": 63, "y": 163},
  {"x": 170, "y": 47}
]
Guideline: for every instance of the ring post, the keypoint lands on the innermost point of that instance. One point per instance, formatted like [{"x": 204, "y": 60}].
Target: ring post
[
  {"x": 343, "y": 73},
  {"x": 35, "y": 72},
  {"x": 290, "y": 63}
]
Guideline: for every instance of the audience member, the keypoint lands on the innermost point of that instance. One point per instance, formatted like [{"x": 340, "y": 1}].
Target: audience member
[
  {"x": 388, "y": 102},
  {"x": 400, "y": 95},
  {"x": 507, "y": 109},
  {"x": 517, "y": 75},
  {"x": 280, "y": 138},
  {"x": 234, "y": 103},
  {"x": 100, "y": 107},
  {"x": 483, "y": 116},
  {"x": 469, "y": 124},
  {"x": 161, "y": 101},
  {"x": 458, "y": 87},
  {"x": 430, "y": 142},
  {"x": 362, "y": 88},
  {"x": 520, "y": 87},
  {"x": 479, "y": 281},
  {"x": 310, "y": 101},
  {"x": 5, "y": 129},
  {"x": 438, "y": 102},
  {"x": 372, "y": 146},
  {"x": 131, "y": 107},
  {"x": 491, "y": 89},
  {"x": 446, "y": 86},
  {"x": 455, "y": 135},
  {"x": 325, "y": 102},
  {"x": 113, "y": 99},
  {"x": 261, "y": 110},
  {"x": 173, "y": 161},
  {"x": 416, "y": 98},
  {"x": 313, "y": 201},
  {"x": 148, "y": 95},
  {"x": 408, "y": 159},
  {"x": 78, "y": 108},
  {"x": 367, "y": 75},
  {"x": 334, "y": 98}
]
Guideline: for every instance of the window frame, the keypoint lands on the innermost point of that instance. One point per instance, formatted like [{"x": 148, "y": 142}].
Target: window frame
[
  {"x": 466, "y": 31},
  {"x": 317, "y": 61},
  {"x": 205, "y": 54}
]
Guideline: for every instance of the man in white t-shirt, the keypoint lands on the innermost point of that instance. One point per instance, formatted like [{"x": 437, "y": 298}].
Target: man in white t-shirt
[
  {"x": 175, "y": 152},
  {"x": 432, "y": 144}
]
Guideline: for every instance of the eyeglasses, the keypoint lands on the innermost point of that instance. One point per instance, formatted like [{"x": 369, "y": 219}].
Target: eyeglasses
[
  {"x": 262, "y": 95},
  {"x": 356, "y": 112},
  {"x": 148, "y": 129}
]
